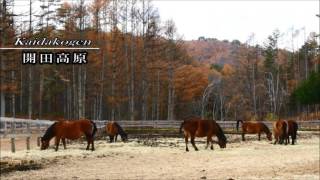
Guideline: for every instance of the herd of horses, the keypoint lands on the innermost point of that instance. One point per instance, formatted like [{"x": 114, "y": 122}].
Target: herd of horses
[{"x": 192, "y": 127}]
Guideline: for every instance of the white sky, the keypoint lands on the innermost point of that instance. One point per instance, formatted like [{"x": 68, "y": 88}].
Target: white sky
[{"x": 238, "y": 19}]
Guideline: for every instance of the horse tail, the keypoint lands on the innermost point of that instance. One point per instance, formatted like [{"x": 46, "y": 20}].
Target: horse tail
[
  {"x": 181, "y": 126},
  {"x": 94, "y": 128},
  {"x": 238, "y": 122}
]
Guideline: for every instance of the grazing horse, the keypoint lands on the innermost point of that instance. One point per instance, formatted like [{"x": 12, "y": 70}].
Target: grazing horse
[
  {"x": 197, "y": 127},
  {"x": 71, "y": 130},
  {"x": 254, "y": 128},
  {"x": 113, "y": 129},
  {"x": 280, "y": 131}
]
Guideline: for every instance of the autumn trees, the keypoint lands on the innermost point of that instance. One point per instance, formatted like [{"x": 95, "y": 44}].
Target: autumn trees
[
  {"x": 138, "y": 73},
  {"x": 143, "y": 70}
]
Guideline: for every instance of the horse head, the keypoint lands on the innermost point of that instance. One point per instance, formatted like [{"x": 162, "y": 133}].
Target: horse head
[
  {"x": 44, "y": 143},
  {"x": 124, "y": 137},
  {"x": 222, "y": 143}
]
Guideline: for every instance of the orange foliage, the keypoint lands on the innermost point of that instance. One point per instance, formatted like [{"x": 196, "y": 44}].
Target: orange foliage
[{"x": 190, "y": 81}]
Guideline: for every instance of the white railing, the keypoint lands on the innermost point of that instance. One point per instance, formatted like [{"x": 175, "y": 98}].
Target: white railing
[{"x": 20, "y": 126}]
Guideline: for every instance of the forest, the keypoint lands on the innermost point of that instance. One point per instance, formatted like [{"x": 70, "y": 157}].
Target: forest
[{"x": 144, "y": 70}]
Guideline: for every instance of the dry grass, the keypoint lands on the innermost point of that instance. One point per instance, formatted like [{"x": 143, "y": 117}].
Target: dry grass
[{"x": 165, "y": 158}]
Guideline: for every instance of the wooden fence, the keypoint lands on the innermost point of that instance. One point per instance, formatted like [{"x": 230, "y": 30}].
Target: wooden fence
[
  {"x": 23, "y": 128},
  {"x": 14, "y": 126}
]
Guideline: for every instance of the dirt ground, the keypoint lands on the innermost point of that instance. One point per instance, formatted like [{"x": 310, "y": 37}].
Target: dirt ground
[{"x": 165, "y": 158}]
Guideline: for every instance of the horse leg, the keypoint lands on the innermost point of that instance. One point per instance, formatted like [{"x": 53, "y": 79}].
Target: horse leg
[
  {"x": 286, "y": 139},
  {"x": 275, "y": 139},
  {"x": 208, "y": 140},
  {"x": 88, "y": 143},
  {"x": 186, "y": 141},
  {"x": 243, "y": 139},
  {"x": 259, "y": 135},
  {"x": 64, "y": 143},
  {"x": 193, "y": 144},
  {"x": 211, "y": 147},
  {"x": 281, "y": 137},
  {"x": 293, "y": 137},
  {"x": 92, "y": 143},
  {"x": 115, "y": 140},
  {"x": 111, "y": 138},
  {"x": 88, "y": 138},
  {"x": 57, "y": 143}
]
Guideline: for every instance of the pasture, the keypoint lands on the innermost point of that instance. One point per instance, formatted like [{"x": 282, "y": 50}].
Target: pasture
[{"x": 166, "y": 158}]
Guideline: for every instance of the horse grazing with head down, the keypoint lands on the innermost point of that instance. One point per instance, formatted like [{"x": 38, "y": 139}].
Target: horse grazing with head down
[
  {"x": 69, "y": 130},
  {"x": 113, "y": 129},
  {"x": 283, "y": 129},
  {"x": 197, "y": 127},
  {"x": 254, "y": 128}
]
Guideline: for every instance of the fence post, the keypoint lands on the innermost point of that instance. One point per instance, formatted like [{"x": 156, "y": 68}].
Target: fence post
[
  {"x": 28, "y": 143},
  {"x": 38, "y": 141},
  {"x": 38, "y": 125},
  {"x": 13, "y": 145},
  {"x": 12, "y": 128},
  {"x": 5, "y": 127},
  {"x": 28, "y": 127}
]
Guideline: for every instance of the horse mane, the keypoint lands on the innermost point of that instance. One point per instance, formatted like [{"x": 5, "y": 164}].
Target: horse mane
[
  {"x": 49, "y": 134},
  {"x": 220, "y": 134},
  {"x": 121, "y": 131}
]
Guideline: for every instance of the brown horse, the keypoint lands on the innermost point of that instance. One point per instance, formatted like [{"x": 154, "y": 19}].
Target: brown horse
[
  {"x": 71, "y": 130},
  {"x": 280, "y": 129},
  {"x": 254, "y": 128},
  {"x": 292, "y": 131},
  {"x": 197, "y": 127},
  {"x": 285, "y": 129},
  {"x": 113, "y": 129}
]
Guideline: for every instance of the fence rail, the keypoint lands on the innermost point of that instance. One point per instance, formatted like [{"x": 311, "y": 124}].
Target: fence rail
[{"x": 26, "y": 126}]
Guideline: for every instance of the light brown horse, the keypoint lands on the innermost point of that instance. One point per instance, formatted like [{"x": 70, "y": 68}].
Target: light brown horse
[
  {"x": 280, "y": 129},
  {"x": 197, "y": 127},
  {"x": 250, "y": 127},
  {"x": 71, "y": 130},
  {"x": 113, "y": 129}
]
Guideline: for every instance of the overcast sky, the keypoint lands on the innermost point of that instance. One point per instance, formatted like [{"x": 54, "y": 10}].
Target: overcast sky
[
  {"x": 233, "y": 19},
  {"x": 238, "y": 19}
]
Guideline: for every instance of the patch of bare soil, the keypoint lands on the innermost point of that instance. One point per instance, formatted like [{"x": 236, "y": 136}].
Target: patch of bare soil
[{"x": 165, "y": 158}]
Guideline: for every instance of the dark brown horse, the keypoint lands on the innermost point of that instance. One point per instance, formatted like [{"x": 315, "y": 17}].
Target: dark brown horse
[
  {"x": 197, "y": 127},
  {"x": 285, "y": 129},
  {"x": 254, "y": 128},
  {"x": 291, "y": 131},
  {"x": 69, "y": 130},
  {"x": 280, "y": 129},
  {"x": 113, "y": 129}
]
